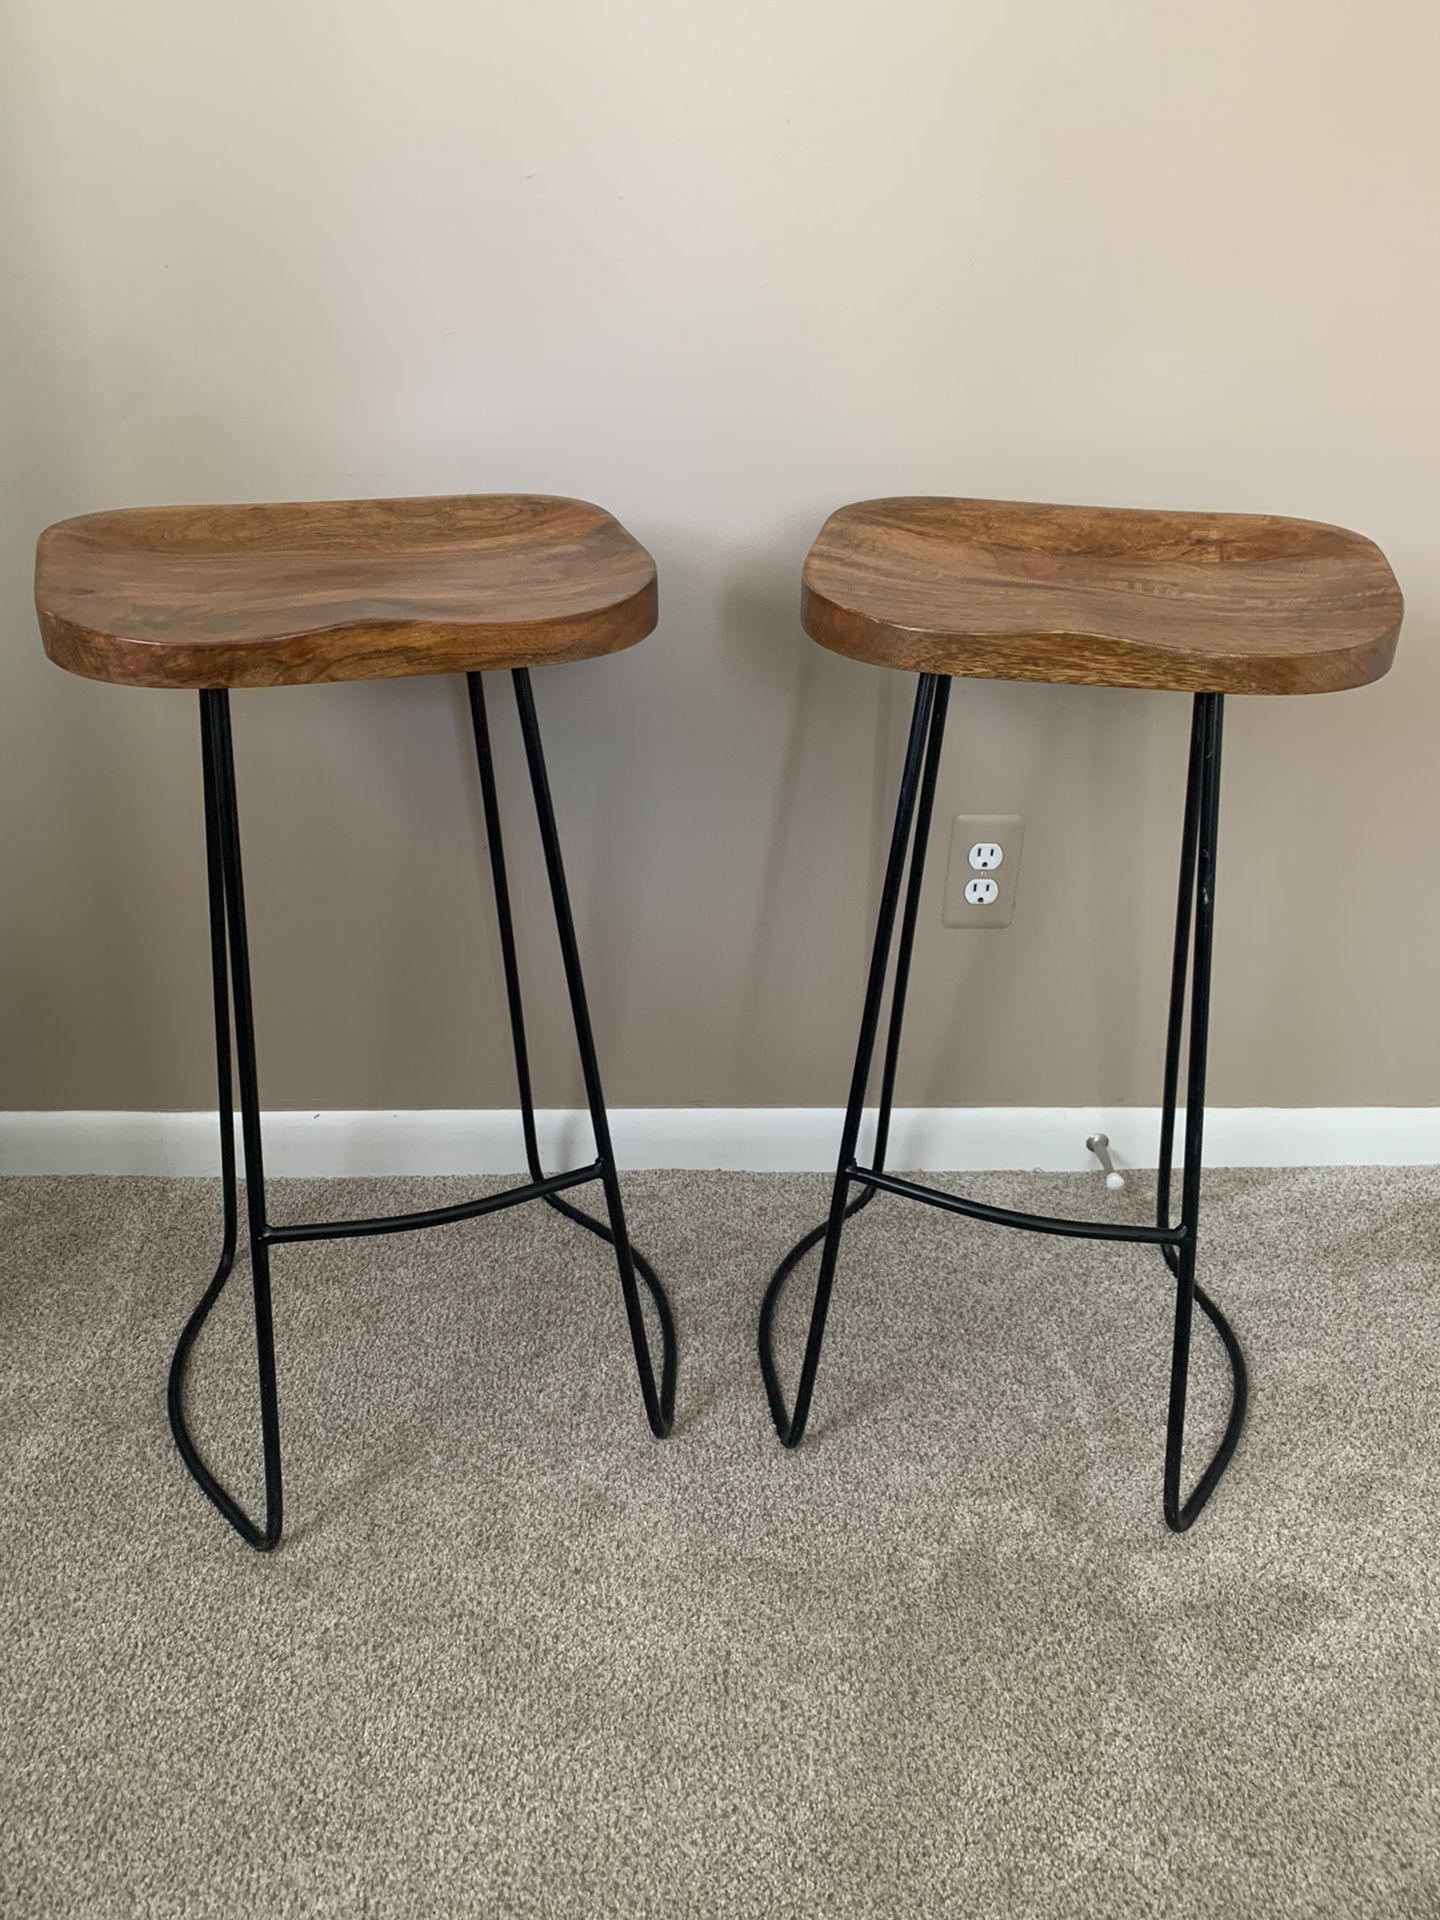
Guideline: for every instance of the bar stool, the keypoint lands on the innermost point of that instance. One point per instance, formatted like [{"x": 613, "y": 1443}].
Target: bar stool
[
  {"x": 211, "y": 598},
  {"x": 1201, "y": 603}
]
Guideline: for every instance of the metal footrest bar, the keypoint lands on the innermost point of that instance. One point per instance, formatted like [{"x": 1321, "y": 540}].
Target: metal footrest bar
[
  {"x": 434, "y": 1216},
  {"x": 1012, "y": 1216}
]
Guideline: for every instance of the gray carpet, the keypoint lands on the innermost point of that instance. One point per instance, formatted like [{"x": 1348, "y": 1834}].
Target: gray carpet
[{"x": 516, "y": 1658}]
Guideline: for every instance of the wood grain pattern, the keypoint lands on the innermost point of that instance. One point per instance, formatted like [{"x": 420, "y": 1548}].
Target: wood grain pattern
[
  {"x": 264, "y": 596},
  {"x": 1100, "y": 596}
]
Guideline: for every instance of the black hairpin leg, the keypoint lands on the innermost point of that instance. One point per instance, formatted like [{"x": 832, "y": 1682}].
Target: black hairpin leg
[
  {"x": 659, "y": 1405},
  {"x": 1199, "y": 842},
  {"x": 1177, "y": 1244},
  {"x": 227, "y": 922},
  {"x": 917, "y": 800},
  {"x": 231, "y": 970}
]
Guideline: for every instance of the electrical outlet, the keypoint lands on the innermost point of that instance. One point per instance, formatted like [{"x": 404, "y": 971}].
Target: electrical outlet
[{"x": 984, "y": 870}]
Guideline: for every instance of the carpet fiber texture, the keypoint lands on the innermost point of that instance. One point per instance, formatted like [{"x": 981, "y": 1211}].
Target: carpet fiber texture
[{"x": 515, "y": 1657}]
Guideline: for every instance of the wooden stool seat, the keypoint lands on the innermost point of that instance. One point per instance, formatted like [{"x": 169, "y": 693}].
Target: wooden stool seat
[
  {"x": 278, "y": 595},
  {"x": 1099, "y": 596}
]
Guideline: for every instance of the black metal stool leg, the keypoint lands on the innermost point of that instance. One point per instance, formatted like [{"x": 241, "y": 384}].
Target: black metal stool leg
[
  {"x": 934, "y": 747},
  {"x": 1197, "y": 888},
  {"x": 916, "y": 803},
  {"x": 231, "y": 980},
  {"x": 227, "y": 927},
  {"x": 1194, "y": 924},
  {"x": 659, "y": 1403},
  {"x": 509, "y": 956},
  {"x": 1180, "y": 967}
]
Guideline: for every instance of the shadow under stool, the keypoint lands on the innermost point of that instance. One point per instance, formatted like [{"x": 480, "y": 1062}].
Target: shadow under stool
[
  {"x": 1200, "y": 603},
  {"x": 211, "y": 598}
]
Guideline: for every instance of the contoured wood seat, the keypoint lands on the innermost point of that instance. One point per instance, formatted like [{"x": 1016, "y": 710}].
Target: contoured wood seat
[
  {"x": 1102, "y": 596},
  {"x": 281, "y": 594}
]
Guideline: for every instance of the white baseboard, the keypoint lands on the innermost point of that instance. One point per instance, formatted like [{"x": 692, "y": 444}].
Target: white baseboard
[{"x": 759, "y": 1139}]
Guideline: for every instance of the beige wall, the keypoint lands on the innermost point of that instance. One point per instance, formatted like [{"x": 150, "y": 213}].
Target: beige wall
[{"x": 720, "y": 268}]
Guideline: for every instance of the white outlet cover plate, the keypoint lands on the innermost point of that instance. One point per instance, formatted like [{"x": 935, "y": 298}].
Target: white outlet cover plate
[{"x": 963, "y": 884}]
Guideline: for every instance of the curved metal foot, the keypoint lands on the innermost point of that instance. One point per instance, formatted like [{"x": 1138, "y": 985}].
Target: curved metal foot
[
  {"x": 263, "y": 1538},
  {"x": 659, "y": 1404},
  {"x": 1180, "y": 1515},
  {"x": 791, "y": 1426}
]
